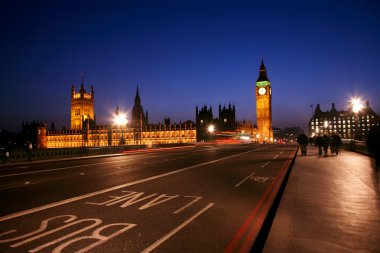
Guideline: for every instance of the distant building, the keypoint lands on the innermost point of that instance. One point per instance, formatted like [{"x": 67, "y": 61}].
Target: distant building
[
  {"x": 203, "y": 119},
  {"x": 288, "y": 135},
  {"x": 345, "y": 123},
  {"x": 226, "y": 126},
  {"x": 85, "y": 133},
  {"x": 227, "y": 118}
]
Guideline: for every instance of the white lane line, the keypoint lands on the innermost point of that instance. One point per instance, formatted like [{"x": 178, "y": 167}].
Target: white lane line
[
  {"x": 242, "y": 181},
  {"x": 191, "y": 203},
  {"x": 262, "y": 166},
  {"x": 64, "y": 168},
  {"x": 66, "y": 201},
  {"x": 276, "y": 156},
  {"x": 175, "y": 230}
]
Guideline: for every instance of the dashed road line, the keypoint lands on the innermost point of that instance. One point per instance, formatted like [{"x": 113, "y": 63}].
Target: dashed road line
[
  {"x": 262, "y": 166},
  {"x": 175, "y": 230},
  {"x": 245, "y": 179}
]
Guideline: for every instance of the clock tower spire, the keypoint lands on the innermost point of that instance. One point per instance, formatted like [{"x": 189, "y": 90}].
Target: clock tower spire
[{"x": 264, "y": 106}]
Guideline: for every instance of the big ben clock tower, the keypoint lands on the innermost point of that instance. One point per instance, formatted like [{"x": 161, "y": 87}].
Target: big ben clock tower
[{"x": 264, "y": 106}]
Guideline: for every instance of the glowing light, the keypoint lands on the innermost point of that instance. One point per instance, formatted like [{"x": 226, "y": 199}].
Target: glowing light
[
  {"x": 356, "y": 104},
  {"x": 120, "y": 119},
  {"x": 211, "y": 128},
  {"x": 245, "y": 138}
]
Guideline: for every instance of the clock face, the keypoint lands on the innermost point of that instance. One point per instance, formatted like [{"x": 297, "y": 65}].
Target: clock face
[{"x": 262, "y": 91}]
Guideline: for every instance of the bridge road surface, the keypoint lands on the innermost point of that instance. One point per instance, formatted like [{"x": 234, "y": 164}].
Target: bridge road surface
[{"x": 200, "y": 199}]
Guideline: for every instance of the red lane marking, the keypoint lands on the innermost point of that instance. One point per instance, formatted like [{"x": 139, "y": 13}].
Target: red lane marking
[
  {"x": 260, "y": 220},
  {"x": 234, "y": 241},
  {"x": 247, "y": 222}
]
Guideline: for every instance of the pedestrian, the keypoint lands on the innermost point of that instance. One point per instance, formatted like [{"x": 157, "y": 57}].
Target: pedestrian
[
  {"x": 303, "y": 141},
  {"x": 319, "y": 143},
  {"x": 335, "y": 144},
  {"x": 29, "y": 151},
  {"x": 326, "y": 144}
]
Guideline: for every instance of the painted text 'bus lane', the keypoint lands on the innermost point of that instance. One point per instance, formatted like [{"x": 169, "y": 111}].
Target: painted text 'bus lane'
[
  {"x": 91, "y": 227},
  {"x": 129, "y": 198}
]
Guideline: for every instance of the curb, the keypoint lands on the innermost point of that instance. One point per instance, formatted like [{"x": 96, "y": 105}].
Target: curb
[{"x": 266, "y": 225}]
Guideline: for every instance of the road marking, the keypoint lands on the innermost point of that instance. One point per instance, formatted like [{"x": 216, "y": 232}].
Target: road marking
[
  {"x": 189, "y": 204},
  {"x": 27, "y": 182},
  {"x": 242, "y": 181},
  {"x": 278, "y": 155},
  {"x": 262, "y": 166},
  {"x": 262, "y": 179},
  {"x": 259, "y": 210},
  {"x": 23, "y": 167},
  {"x": 252, "y": 235},
  {"x": 66, "y": 201},
  {"x": 64, "y": 168},
  {"x": 175, "y": 230},
  {"x": 45, "y": 231}
]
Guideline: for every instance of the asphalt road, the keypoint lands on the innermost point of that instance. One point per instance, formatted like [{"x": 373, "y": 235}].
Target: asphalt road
[{"x": 208, "y": 198}]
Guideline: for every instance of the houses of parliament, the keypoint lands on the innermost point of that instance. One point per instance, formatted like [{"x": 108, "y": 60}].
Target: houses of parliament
[{"x": 84, "y": 131}]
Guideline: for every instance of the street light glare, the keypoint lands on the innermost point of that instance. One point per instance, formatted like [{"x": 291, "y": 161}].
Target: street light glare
[
  {"x": 120, "y": 119},
  {"x": 356, "y": 104},
  {"x": 211, "y": 128}
]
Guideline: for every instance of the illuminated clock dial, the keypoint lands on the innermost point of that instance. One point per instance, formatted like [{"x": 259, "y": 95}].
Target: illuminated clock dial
[{"x": 262, "y": 91}]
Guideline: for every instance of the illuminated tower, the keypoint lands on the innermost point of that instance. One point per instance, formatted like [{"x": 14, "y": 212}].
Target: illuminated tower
[
  {"x": 82, "y": 106},
  {"x": 264, "y": 106}
]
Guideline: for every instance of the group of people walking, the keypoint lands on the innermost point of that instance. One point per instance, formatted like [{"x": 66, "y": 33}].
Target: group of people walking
[{"x": 323, "y": 142}]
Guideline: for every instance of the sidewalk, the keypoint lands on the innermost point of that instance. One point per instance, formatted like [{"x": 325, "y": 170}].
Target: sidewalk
[{"x": 330, "y": 204}]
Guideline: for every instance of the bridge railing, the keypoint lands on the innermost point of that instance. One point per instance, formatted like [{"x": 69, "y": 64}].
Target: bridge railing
[{"x": 356, "y": 146}]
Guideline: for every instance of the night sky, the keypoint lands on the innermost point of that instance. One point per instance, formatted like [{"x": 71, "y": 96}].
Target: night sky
[{"x": 186, "y": 53}]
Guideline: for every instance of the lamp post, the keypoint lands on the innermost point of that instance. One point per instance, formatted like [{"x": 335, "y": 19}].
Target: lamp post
[
  {"x": 357, "y": 106},
  {"x": 120, "y": 120},
  {"x": 211, "y": 130}
]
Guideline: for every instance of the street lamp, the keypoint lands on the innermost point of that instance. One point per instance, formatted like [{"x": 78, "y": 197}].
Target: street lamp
[
  {"x": 357, "y": 106},
  {"x": 120, "y": 120},
  {"x": 211, "y": 130}
]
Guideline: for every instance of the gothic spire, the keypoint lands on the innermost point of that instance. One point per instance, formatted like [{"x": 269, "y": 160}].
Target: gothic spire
[
  {"x": 137, "y": 97},
  {"x": 262, "y": 72},
  {"x": 82, "y": 90}
]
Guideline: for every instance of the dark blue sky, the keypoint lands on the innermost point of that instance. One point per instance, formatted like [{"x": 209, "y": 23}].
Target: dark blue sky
[{"x": 186, "y": 53}]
